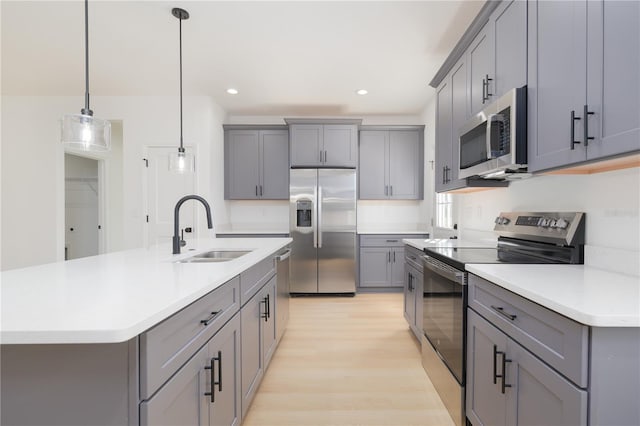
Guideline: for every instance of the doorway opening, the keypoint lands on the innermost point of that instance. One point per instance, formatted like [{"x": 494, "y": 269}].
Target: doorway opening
[{"x": 82, "y": 202}]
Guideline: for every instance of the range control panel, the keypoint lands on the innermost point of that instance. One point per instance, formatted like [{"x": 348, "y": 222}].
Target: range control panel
[{"x": 566, "y": 228}]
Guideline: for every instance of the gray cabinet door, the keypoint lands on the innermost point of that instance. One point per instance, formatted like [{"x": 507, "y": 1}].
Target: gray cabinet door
[
  {"x": 274, "y": 167},
  {"x": 538, "y": 395},
  {"x": 557, "y": 58},
  {"x": 486, "y": 345},
  {"x": 613, "y": 70},
  {"x": 224, "y": 349},
  {"x": 404, "y": 165},
  {"x": 397, "y": 267},
  {"x": 443, "y": 134},
  {"x": 181, "y": 401},
  {"x": 268, "y": 323},
  {"x": 372, "y": 170},
  {"x": 306, "y": 142},
  {"x": 340, "y": 145},
  {"x": 480, "y": 67},
  {"x": 243, "y": 164},
  {"x": 459, "y": 115},
  {"x": 510, "y": 41},
  {"x": 375, "y": 266},
  {"x": 252, "y": 360}
]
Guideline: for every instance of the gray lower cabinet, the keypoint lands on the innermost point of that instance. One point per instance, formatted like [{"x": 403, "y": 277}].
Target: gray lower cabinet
[
  {"x": 256, "y": 163},
  {"x": 206, "y": 390},
  {"x": 381, "y": 261},
  {"x": 322, "y": 143},
  {"x": 528, "y": 365},
  {"x": 413, "y": 289},
  {"x": 258, "y": 339},
  {"x": 507, "y": 385},
  {"x": 391, "y": 163},
  {"x": 583, "y": 63}
]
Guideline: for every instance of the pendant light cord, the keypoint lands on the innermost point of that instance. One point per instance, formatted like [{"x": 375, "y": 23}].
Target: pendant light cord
[
  {"x": 86, "y": 110},
  {"x": 180, "y": 30}
]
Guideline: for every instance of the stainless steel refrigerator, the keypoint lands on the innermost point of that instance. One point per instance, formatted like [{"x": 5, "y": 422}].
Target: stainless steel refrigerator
[{"x": 323, "y": 228}]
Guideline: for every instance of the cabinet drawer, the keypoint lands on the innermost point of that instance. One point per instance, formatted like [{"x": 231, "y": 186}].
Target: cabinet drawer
[
  {"x": 252, "y": 280},
  {"x": 168, "y": 345},
  {"x": 387, "y": 240},
  {"x": 413, "y": 257},
  {"x": 557, "y": 340}
]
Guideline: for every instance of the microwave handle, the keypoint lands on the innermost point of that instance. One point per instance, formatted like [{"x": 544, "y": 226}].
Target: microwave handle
[{"x": 490, "y": 120}]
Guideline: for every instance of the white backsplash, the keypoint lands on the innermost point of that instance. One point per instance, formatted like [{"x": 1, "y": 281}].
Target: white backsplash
[{"x": 610, "y": 200}]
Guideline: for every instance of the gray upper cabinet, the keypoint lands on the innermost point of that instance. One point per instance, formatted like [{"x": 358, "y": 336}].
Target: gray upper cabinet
[
  {"x": 306, "y": 144},
  {"x": 391, "y": 163},
  {"x": 509, "y": 22},
  {"x": 497, "y": 57},
  {"x": 480, "y": 69},
  {"x": 321, "y": 143},
  {"x": 452, "y": 112},
  {"x": 256, "y": 163},
  {"x": 584, "y": 59},
  {"x": 613, "y": 90}
]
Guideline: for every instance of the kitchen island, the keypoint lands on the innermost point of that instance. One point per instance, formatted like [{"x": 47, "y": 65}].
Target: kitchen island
[{"x": 118, "y": 339}]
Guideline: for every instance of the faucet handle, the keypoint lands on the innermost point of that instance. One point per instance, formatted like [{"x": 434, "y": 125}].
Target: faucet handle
[{"x": 182, "y": 241}]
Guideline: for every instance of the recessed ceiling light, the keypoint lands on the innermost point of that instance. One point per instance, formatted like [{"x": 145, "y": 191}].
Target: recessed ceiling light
[
  {"x": 232, "y": 91},
  {"x": 362, "y": 91}
]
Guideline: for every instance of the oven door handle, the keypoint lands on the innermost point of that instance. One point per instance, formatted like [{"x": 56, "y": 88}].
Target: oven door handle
[{"x": 457, "y": 277}]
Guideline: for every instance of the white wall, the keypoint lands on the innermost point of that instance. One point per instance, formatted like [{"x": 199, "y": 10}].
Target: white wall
[{"x": 33, "y": 173}]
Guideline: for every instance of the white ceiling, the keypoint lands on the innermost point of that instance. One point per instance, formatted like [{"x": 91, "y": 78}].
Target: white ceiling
[{"x": 285, "y": 58}]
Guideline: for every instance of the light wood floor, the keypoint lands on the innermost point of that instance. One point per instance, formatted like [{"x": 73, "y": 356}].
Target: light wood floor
[{"x": 347, "y": 361}]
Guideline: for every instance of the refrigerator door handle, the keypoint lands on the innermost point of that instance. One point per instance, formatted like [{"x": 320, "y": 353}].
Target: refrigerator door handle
[
  {"x": 314, "y": 219},
  {"x": 319, "y": 217}
]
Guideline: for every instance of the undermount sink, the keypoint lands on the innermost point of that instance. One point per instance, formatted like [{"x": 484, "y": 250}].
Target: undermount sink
[{"x": 215, "y": 256}]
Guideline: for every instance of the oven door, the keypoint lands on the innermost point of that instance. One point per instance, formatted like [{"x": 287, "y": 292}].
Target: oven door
[{"x": 444, "y": 313}]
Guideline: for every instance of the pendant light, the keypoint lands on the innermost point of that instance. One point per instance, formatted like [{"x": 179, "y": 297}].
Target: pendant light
[
  {"x": 83, "y": 131},
  {"x": 181, "y": 162}
]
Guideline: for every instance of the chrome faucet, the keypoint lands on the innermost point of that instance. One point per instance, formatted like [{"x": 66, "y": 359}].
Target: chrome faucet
[{"x": 177, "y": 241}]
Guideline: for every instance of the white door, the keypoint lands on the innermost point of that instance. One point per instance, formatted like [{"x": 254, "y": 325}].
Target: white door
[{"x": 163, "y": 190}]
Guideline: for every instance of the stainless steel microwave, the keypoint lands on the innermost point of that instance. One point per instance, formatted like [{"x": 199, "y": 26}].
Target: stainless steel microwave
[{"x": 493, "y": 143}]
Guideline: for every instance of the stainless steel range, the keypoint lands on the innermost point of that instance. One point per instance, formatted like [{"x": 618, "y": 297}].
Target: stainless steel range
[{"x": 525, "y": 238}]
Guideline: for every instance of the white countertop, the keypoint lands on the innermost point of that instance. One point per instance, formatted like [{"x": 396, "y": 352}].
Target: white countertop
[
  {"x": 447, "y": 242},
  {"x": 113, "y": 297},
  {"x": 590, "y": 296}
]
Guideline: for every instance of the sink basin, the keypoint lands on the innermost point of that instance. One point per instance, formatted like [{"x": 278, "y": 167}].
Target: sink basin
[{"x": 215, "y": 256}]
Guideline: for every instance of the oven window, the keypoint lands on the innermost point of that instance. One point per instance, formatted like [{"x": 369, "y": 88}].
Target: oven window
[
  {"x": 444, "y": 304},
  {"x": 473, "y": 146}
]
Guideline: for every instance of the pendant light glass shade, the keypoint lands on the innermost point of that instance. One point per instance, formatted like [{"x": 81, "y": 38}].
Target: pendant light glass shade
[
  {"x": 83, "y": 131},
  {"x": 181, "y": 162},
  {"x": 86, "y": 133}
]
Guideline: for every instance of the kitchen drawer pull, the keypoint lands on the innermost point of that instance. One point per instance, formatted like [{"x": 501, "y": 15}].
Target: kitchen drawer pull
[
  {"x": 413, "y": 258},
  {"x": 392, "y": 241},
  {"x": 500, "y": 310},
  {"x": 207, "y": 321}
]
